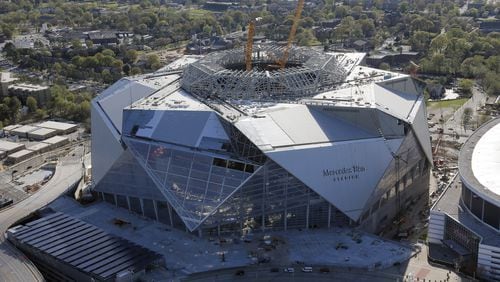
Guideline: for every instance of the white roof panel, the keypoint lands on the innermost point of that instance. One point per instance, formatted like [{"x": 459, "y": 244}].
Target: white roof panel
[
  {"x": 57, "y": 125},
  {"x": 21, "y": 153},
  {"x": 421, "y": 129},
  {"x": 344, "y": 173},
  {"x": 42, "y": 131},
  {"x": 8, "y": 146},
  {"x": 24, "y": 129},
  {"x": 486, "y": 160},
  {"x": 128, "y": 90},
  {"x": 395, "y": 103},
  {"x": 297, "y": 125},
  {"x": 55, "y": 139},
  {"x": 38, "y": 146},
  {"x": 177, "y": 127}
]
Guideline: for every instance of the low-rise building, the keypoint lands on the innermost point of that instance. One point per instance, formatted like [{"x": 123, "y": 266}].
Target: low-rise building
[
  {"x": 489, "y": 26},
  {"x": 23, "y": 131},
  {"x": 10, "y": 147},
  {"x": 78, "y": 251},
  {"x": 103, "y": 37},
  {"x": 22, "y": 90},
  {"x": 19, "y": 156},
  {"x": 40, "y": 148},
  {"x": 42, "y": 133},
  {"x": 60, "y": 127},
  {"x": 56, "y": 141},
  {"x": 9, "y": 128},
  {"x": 392, "y": 58}
]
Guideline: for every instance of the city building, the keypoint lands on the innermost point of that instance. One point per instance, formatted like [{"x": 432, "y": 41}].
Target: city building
[
  {"x": 68, "y": 249},
  {"x": 216, "y": 149},
  {"x": 6, "y": 79},
  {"x": 489, "y": 26},
  {"x": 22, "y": 91},
  {"x": 466, "y": 219}
]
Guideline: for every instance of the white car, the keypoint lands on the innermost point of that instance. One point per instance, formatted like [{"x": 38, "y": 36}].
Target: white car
[
  {"x": 307, "y": 269},
  {"x": 289, "y": 270}
]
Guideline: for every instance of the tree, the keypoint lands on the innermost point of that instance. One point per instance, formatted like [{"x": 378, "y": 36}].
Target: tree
[
  {"x": 384, "y": 66},
  {"x": 465, "y": 86},
  {"x": 40, "y": 114},
  {"x": 76, "y": 43},
  {"x": 153, "y": 61},
  {"x": 32, "y": 104},
  {"x": 131, "y": 56},
  {"x": 135, "y": 71},
  {"x": 466, "y": 118},
  {"x": 14, "y": 106}
]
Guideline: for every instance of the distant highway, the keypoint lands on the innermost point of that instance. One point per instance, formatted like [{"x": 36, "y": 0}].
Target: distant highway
[{"x": 14, "y": 266}]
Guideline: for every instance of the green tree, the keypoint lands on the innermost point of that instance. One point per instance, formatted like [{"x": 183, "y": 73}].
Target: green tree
[
  {"x": 76, "y": 43},
  {"x": 384, "y": 66},
  {"x": 131, "y": 56},
  {"x": 465, "y": 86},
  {"x": 466, "y": 118},
  {"x": 32, "y": 104},
  {"x": 135, "y": 71}
]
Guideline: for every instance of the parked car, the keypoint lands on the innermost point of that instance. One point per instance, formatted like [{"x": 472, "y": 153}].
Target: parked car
[
  {"x": 289, "y": 270},
  {"x": 324, "y": 270},
  {"x": 307, "y": 269},
  {"x": 239, "y": 272}
]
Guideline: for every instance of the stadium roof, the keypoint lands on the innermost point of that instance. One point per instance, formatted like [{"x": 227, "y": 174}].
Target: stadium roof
[
  {"x": 479, "y": 161},
  {"x": 82, "y": 246},
  {"x": 486, "y": 159}
]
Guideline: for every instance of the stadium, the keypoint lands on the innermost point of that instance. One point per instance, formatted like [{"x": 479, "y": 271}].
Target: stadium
[
  {"x": 209, "y": 147},
  {"x": 467, "y": 220}
]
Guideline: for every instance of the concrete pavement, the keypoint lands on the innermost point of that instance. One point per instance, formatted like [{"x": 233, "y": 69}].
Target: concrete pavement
[{"x": 14, "y": 266}]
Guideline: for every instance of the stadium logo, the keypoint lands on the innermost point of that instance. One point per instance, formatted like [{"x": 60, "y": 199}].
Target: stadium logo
[{"x": 345, "y": 173}]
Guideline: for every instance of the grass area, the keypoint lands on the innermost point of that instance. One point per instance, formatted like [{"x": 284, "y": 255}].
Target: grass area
[
  {"x": 455, "y": 104},
  {"x": 198, "y": 13}
]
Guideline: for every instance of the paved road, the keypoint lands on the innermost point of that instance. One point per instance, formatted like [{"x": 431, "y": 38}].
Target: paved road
[
  {"x": 264, "y": 274},
  {"x": 477, "y": 100},
  {"x": 13, "y": 265}
]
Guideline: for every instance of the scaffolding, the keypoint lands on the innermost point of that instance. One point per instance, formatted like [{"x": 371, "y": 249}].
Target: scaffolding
[{"x": 224, "y": 75}]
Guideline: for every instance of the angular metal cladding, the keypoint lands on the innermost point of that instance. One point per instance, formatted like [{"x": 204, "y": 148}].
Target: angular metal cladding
[{"x": 222, "y": 145}]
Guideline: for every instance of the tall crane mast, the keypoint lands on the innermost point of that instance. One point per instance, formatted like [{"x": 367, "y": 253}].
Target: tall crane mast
[
  {"x": 291, "y": 36},
  {"x": 249, "y": 45}
]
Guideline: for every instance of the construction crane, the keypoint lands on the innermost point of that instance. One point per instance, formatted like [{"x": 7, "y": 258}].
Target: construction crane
[
  {"x": 298, "y": 11},
  {"x": 249, "y": 45}
]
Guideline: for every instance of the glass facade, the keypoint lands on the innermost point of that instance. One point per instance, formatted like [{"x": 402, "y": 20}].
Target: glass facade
[
  {"x": 455, "y": 231},
  {"x": 273, "y": 199},
  {"x": 194, "y": 183},
  {"x": 226, "y": 184},
  {"x": 482, "y": 209},
  {"x": 212, "y": 193}
]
